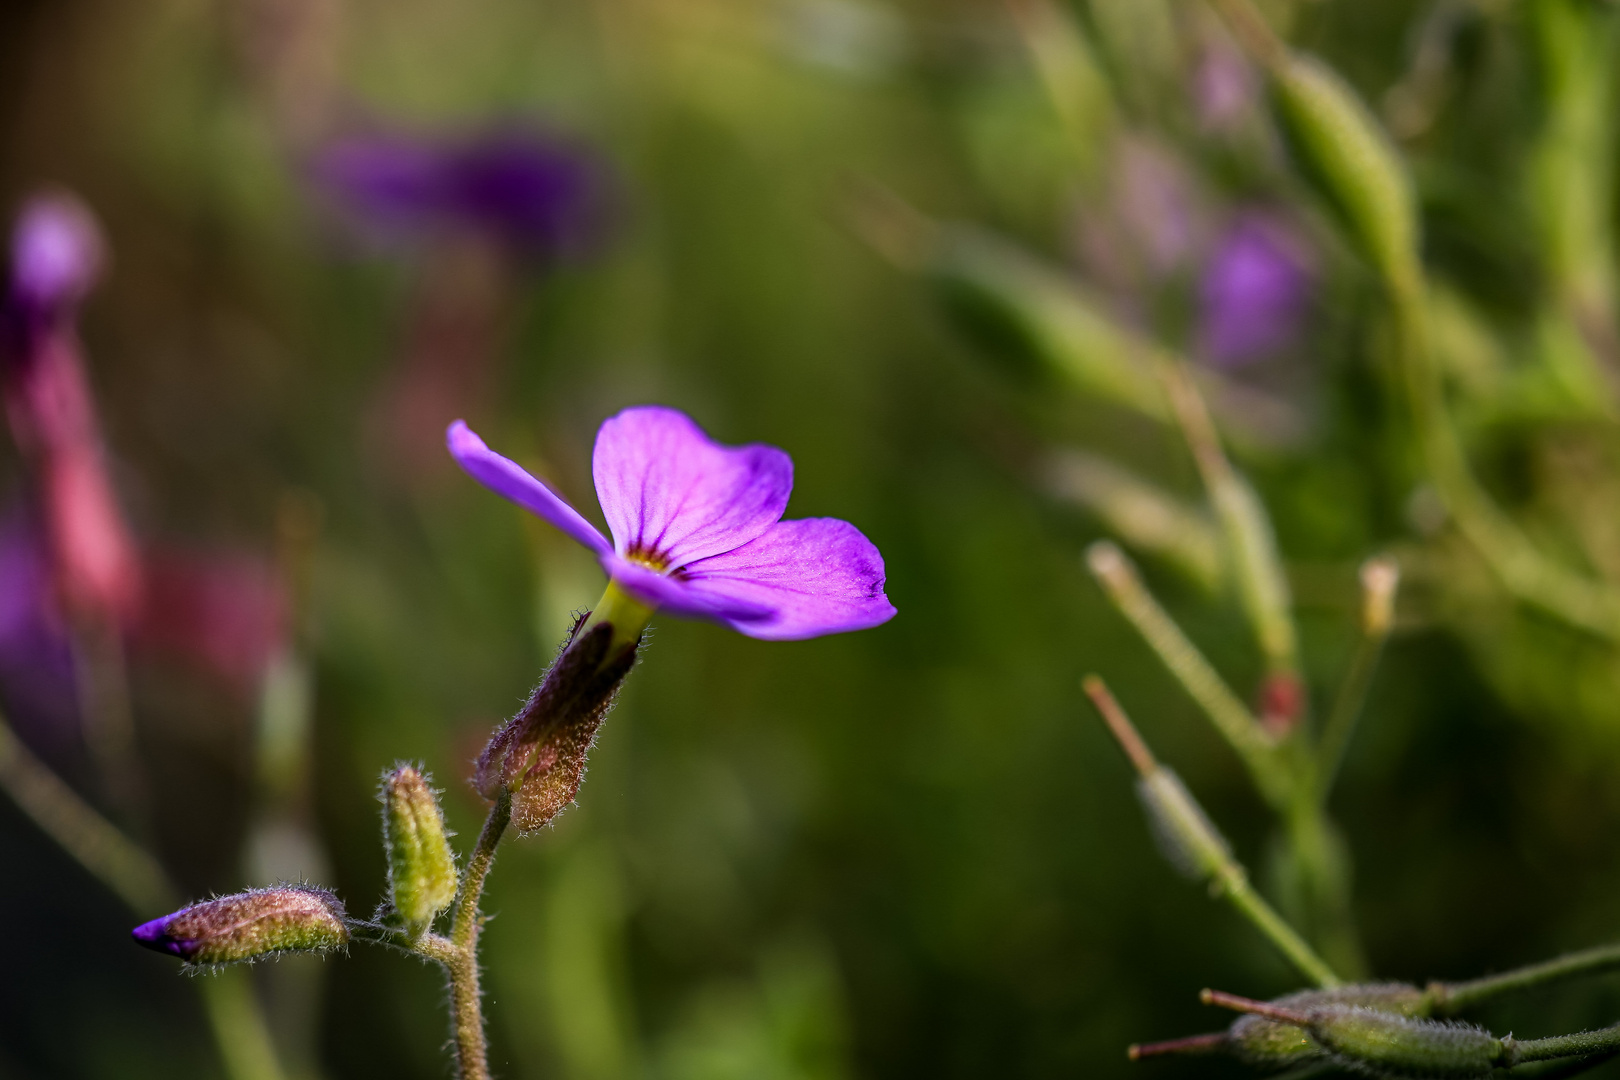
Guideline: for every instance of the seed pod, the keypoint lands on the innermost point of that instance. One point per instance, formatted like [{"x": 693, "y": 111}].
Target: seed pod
[
  {"x": 249, "y": 926},
  {"x": 1344, "y": 152},
  {"x": 421, "y": 867},
  {"x": 1385, "y": 1042},
  {"x": 1184, "y": 834},
  {"x": 1261, "y": 1040}
]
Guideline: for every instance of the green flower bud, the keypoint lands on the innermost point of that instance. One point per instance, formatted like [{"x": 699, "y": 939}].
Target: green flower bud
[
  {"x": 1344, "y": 152},
  {"x": 249, "y": 926},
  {"x": 421, "y": 867}
]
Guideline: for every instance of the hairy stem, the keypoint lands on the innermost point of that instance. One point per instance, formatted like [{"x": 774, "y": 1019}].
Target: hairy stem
[
  {"x": 1448, "y": 999},
  {"x": 1603, "y": 1040},
  {"x": 459, "y": 952}
]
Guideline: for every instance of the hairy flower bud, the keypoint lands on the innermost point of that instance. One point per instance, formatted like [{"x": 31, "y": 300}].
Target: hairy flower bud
[
  {"x": 539, "y": 756},
  {"x": 421, "y": 867},
  {"x": 250, "y": 925}
]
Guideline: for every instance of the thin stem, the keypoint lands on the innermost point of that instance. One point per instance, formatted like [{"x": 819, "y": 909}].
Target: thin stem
[
  {"x": 1379, "y": 580},
  {"x": 1213, "y": 1043},
  {"x": 109, "y": 724},
  {"x": 1230, "y": 716},
  {"x": 1254, "y": 561},
  {"x": 459, "y": 952},
  {"x": 1233, "y": 881},
  {"x": 93, "y": 842},
  {"x": 1448, "y": 999},
  {"x": 1187, "y": 826},
  {"x": 239, "y": 1027},
  {"x": 1252, "y": 31},
  {"x": 1523, "y": 570},
  {"x": 136, "y": 878},
  {"x": 1603, "y": 1040}
]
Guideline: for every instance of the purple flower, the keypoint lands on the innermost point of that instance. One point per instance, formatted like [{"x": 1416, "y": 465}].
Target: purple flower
[
  {"x": 534, "y": 195},
  {"x": 1254, "y": 292},
  {"x": 56, "y": 256},
  {"x": 697, "y": 529}
]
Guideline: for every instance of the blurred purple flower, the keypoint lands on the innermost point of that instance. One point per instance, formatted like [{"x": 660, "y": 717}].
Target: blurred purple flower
[
  {"x": 535, "y": 196},
  {"x": 56, "y": 254},
  {"x": 1255, "y": 291},
  {"x": 697, "y": 528},
  {"x": 1152, "y": 223},
  {"x": 37, "y": 679}
]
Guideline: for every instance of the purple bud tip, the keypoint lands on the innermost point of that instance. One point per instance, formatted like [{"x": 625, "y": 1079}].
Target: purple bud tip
[
  {"x": 56, "y": 252},
  {"x": 154, "y": 935}
]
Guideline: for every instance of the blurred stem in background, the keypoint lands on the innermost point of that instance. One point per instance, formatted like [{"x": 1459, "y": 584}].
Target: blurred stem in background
[
  {"x": 1344, "y": 152},
  {"x": 282, "y": 844},
  {"x": 232, "y": 1010}
]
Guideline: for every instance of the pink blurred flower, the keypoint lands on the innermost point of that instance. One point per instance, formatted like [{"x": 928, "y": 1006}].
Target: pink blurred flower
[
  {"x": 56, "y": 256},
  {"x": 223, "y": 611}
]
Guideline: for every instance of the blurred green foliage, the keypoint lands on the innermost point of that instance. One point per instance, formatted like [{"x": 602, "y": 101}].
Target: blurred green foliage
[{"x": 906, "y": 852}]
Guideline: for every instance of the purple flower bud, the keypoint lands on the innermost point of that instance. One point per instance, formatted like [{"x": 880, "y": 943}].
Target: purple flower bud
[
  {"x": 1255, "y": 291},
  {"x": 249, "y": 926},
  {"x": 540, "y": 754},
  {"x": 56, "y": 256}
]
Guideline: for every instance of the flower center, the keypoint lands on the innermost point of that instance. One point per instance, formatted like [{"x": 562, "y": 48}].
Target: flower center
[{"x": 649, "y": 558}]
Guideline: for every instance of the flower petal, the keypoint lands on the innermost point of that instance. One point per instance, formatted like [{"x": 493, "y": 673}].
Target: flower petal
[
  {"x": 666, "y": 488},
  {"x": 819, "y": 575},
  {"x": 509, "y": 479},
  {"x": 677, "y": 596}
]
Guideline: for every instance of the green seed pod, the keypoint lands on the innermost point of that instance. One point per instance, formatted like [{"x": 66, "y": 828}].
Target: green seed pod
[
  {"x": 1261, "y": 1040},
  {"x": 1344, "y": 152},
  {"x": 1385, "y": 1042},
  {"x": 250, "y": 926},
  {"x": 1185, "y": 835},
  {"x": 421, "y": 867}
]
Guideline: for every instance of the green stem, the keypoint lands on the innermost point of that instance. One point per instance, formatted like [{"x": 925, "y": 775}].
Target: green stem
[
  {"x": 93, "y": 842},
  {"x": 1603, "y": 1040},
  {"x": 459, "y": 952},
  {"x": 1184, "y": 822},
  {"x": 1449, "y": 999},
  {"x": 1197, "y": 676},
  {"x": 1523, "y": 570},
  {"x": 132, "y": 875},
  {"x": 1250, "y": 542},
  {"x": 1379, "y": 579},
  {"x": 239, "y": 1027}
]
